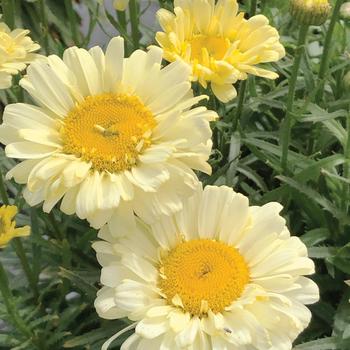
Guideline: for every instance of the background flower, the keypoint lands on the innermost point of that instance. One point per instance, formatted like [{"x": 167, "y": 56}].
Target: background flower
[
  {"x": 219, "y": 44},
  {"x": 8, "y": 228},
  {"x": 16, "y": 51},
  {"x": 218, "y": 274}
]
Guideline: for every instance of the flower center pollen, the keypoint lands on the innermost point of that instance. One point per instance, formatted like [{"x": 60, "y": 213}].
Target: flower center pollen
[
  {"x": 205, "y": 47},
  {"x": 108, "y": 130},
  {"x": 203, "y": 272}
]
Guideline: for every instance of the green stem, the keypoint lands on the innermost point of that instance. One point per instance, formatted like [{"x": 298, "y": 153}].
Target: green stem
[
  {"x": 287, "y": 124},
  {"x": 3, "y": 193},
  {"x": 134, "y": 20},
  {"x": 8, "y": 10},
  {"x": 327, "y": 50},
  {"x": 72, "y": 19},
  {"x": 122, "y": 21},
  {"x": 35, "y": 247},
  {"x": 92, "y": 24},
  {"x": 56, "y": 226},
  {"x": 239, "y": 110},
  {"x": 253, "y": 4},
  {"x": 45, "y": 26},
  {"x": 346, "y": 187},
  {"x": 18, "y": 247},
  {"x": 243, "y": 84},
  {"x": 10, "y": 305}
]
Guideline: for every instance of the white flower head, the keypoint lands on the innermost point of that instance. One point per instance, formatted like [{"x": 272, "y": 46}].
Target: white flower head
[
  {"x": 219, "y": 274},
  {"x": 109, "y": 135}
]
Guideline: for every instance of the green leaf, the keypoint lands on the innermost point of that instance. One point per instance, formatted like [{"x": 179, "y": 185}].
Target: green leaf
[
  {"x": 315, "y": 236},
  {"x": 331, "y": 343},
  {"x": 97, "y": 334},
  {"x": 79, "y": 281},
  {"x": 317, "y": 198}
]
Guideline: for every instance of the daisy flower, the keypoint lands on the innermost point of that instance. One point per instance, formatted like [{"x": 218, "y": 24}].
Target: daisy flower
[
  {"x": 219, "y": 274},
  {"x": 218, "y": 43},
  {"x": 16, "y": 51},
  {"x": 7, "y": 225},
  {"x": 109, "y": 136}
]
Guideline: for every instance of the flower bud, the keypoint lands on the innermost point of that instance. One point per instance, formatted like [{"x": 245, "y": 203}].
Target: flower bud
[
  {"x": 310, "y": 12},
  {"x": 120, "y": 5},
  {"x": 345, "y": 11},
  {"x": 346, "y": 81}
]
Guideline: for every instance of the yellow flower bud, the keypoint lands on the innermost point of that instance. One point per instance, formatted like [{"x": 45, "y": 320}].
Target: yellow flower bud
[
  {"x": 120, "y": 5},
  {"x": 345, "y": 11},
  {"x": 310, "y": 12},
  {"x": 346, "y": 81}
]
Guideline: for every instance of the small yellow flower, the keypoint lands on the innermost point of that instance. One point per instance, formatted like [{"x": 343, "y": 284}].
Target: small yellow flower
[
  {"x": 16, "y": 51},
  {"x": 7, "y": 225},
  {"x": 120, "y": 5},
  {"x": 218, "y": 43}
]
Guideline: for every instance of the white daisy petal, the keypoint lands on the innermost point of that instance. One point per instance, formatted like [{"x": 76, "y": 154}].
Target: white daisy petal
[
  {"x": 193, "y": 281},
  {"x": 104, "y": 116}
]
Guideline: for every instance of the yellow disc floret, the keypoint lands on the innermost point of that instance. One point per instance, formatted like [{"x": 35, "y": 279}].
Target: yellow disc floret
[
  {"x": 203, "y": 47},
  {"x": 108, "y": 130},
  {"x": 205, "y": 274}
]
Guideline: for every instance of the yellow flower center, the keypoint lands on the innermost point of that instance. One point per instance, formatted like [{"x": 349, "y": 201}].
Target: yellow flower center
[
  {"x": 205, "y": 274},
  {"x": 108, "y": 130},
  {"x": 203, "y": 47}
]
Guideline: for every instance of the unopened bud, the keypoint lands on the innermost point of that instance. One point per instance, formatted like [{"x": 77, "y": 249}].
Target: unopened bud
[
  {"x": 346, "y": 81},
  {"x": 310, "y": 12},
  {"x": 345, "y": 11},
  {"x": 120, "y": 5}
]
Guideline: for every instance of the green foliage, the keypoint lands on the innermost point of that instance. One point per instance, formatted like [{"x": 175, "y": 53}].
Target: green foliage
[{"x": 314, "y": 189}]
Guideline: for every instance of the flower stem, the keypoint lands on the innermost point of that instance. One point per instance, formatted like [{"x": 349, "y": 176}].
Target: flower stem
[
  {"x": 36, "y": 249},
  {"x": 18, "y": 247},
  {"x": 72, "y": 19},
  {"x": 243, "y": 84},
  {"x": 327, "y": 50},
  {"x": 3, "y": 193},
  {"x": 253, "y": 5},
  {"x": 287, "y": 124},
  {"x": 134, "y": 20},
  {"x": 9, "y": 302},
  {"x": 239, "y": 110},
  {"x": 45, "y": 26},
  {"x": 346, "y": 169},
  {"x": 122, "y": 21}
]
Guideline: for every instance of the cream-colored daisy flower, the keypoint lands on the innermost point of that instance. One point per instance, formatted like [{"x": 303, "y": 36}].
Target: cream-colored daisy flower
[
  {"x": 16, "y": 51},
  {"x": 219, "y": 274},
  {"x": 110, "y": 135},
  {"x": 218, "y": 43},
  {"x": 8, "y": 229}
]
